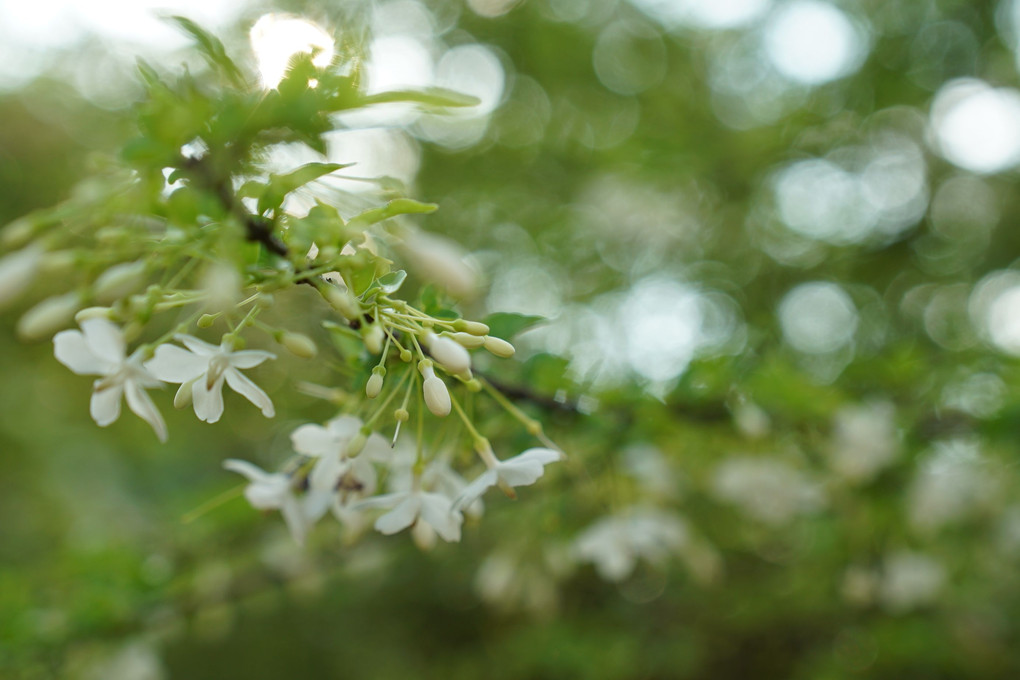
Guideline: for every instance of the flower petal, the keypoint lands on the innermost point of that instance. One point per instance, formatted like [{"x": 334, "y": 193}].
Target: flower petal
[
  {"x": 242, "y": 467},
  {"x": 208, "y": 401},
  {"x": 520, "y": 473},
  {"x": 199, "y": 347},
  {"x": 344, "y": 428},
  {"x": 249, "y": 358},
  {"x": 175, "y": 365},
  {"x": 297, "y": 523},
  {"x": 386, "y": 500},
  {"x": 475, "y": 489},
  {"x": 250, "y": 391},
  {"x": 105, "y": 404},
  {"x": 141, "y": 404},
  {"x": 400, "y": 517},
  {"x": 314, "y": 440},
  {"x": 105, "y": 339},
  {"x": 71, "y": 350},
  {"x": 377, "y": 449},
  {"x": 437, "y": 511}
]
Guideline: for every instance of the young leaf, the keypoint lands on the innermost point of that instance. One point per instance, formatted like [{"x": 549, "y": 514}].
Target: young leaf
[
  {"x": 281, "y": 185},
  {"x": 399, "y": 206},
  {"x": 212, "y": 49},
  {"x": 505, "y": 325},
  {"x": 437, "y": 97},
  {"x": 389, "y": 283}
]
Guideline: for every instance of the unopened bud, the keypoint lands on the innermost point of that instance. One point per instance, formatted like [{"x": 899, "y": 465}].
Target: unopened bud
[
  {"x": 473, "y": 385},
  {"x": 355, "y": 446},
  {"x": 343, "y": 302},
  {"x": 447, "y": 352},
  {"x": 48, "y": 317},
  {"x": 299, "y": 344},
  {"x": 499, "y": 347},
  {"x": 119, "y": 281},
  {"x": 374, "y": 385},
  {"x": 58, "y": 263},
  {"x": 467, "y": 340},
  {"x": 437, "y": 397},
  {"x": 405, "y": 356},
  {"x": 472, "y": 327},
  {"x": 93, "y": 313},
  {"x": 401, "y": 414},
  {"x": 17, "y": 271},
  {"x": 372, "y": 335},
  {"x": 206, "y": 320}
]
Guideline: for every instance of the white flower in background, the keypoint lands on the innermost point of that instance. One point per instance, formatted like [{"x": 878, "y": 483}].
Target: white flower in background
[
  {"x": 953, "y": 483},
  {"x": 203, "y": 368},
  {"x": 511, "y": 583},
  {"x": 99, "y": 349},
  {"x": 340, "y": 474},
  {"x": 522, "y": 470},
  {"x": 864, "y": 440},
  {"x": 273, "y": 491},
  {"x": 651, "y": 470},
  {"x": 414, "y": 506},
  {"x": 860, "y": 585},
  {"x": 910, "y": 580},
  {"x": 615, "y": 544},
  {"x": 768, "y": 490}
]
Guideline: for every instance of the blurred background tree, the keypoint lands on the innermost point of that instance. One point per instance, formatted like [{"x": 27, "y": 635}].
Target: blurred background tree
[{"x": 772, "y": 242}]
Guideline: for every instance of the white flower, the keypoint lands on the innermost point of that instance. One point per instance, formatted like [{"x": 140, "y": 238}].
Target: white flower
[
  {"x": 864, "y": 440},
  {"x": 99, "y": 349},
  {"x": 614, "y": 544},
  {"x": 521, "y": 470},
  {"x": 340, "y": 473},
  {"x": 954, "y": 483},
  {"x": 203, "y": 370},
  {"x": 910, "y": 580},
  {"x": 414, "y": 504},
  {"x": 768, "y": 490},
  {"x": 451, "y": 355},
  {"x": 272, "y": 491}
]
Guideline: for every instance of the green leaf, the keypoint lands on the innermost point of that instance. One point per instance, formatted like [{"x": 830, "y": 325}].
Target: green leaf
[
  {"x": 506, "y": 324},
  {"x": 390, "y": 283},
  {"x": 281, "y": 185},
  {"x": 434, "y": 97},
  {"x": 212, "y": 49},
  {"x": 398, "y": 206}
]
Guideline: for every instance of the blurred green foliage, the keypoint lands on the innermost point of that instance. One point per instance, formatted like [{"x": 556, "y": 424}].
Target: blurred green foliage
[{"x": 599, "y": 191}]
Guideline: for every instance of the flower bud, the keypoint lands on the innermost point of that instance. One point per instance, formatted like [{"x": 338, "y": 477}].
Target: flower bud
[
  {"x": 206, "y": 320},
  {"x": 499, "y": 347},
  {"x": 372, "y": 335},
  {"x": 93, "y": 313},
  {"x": 401, "y": 414},
  {"x": 441, "y": 261},
  {"x": 58, "y": 263},
  {"x": 355, "y": 446},
  {"x": 437, "y": 397},
  {"x": 374, "y": 385},
  {"x": 48, "y": 317},
  {"x": 17, "y": 271},
  {"x": 343, "y": 302},
  {"x": 119, "y": 281},
  {"x": 467, "y": 340},
  {"x": 405, "y": 355},
  {"x": 299, "y": 345},
  {"x": 472, "y": 327},
  {"x": 447, "y": 352}
]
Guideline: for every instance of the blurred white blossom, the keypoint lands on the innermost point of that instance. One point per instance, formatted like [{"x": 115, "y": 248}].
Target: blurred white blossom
[
  {"x": 910, "y": 580},
  {"x": 614, "y": 544},
  {"x": 864, "y": 440},
  {"x": 769, "y": 490}
]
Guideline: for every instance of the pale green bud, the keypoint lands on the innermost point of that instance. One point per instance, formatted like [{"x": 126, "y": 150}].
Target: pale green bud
[
  {"x": 343, "y": 302},
  {"x": 119, "y": 281},
  {"x": 93, "y": 313},
  {"x": 499, "y": 347},
  {"x": 299, "y": 344},
  {"x": 48, "y": 317},
  {"x": 372, "y": 335},
  {"x": 472, "y": 327},
  {"x": 467, "y": 340},
  {"x": 17, "y": 271},
  {"x": 374, "y": 386}
]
